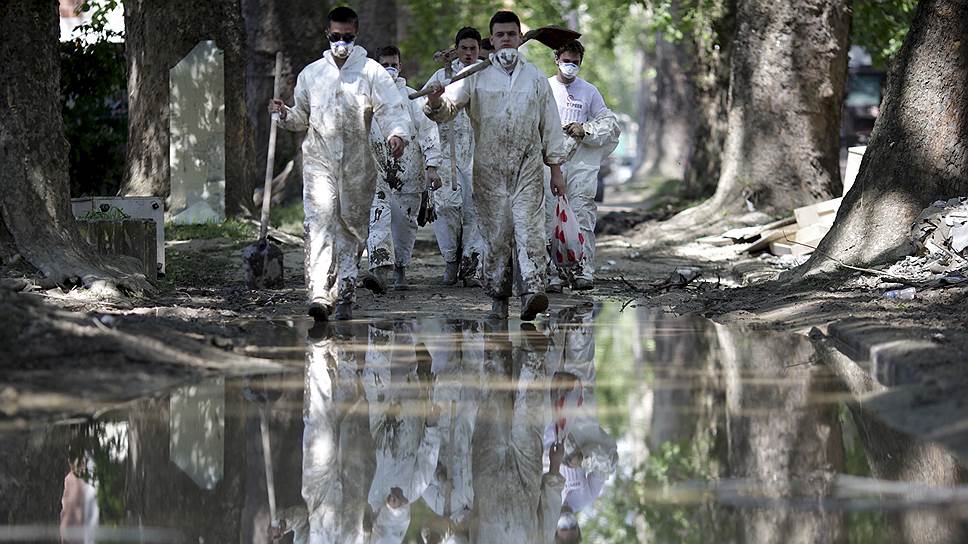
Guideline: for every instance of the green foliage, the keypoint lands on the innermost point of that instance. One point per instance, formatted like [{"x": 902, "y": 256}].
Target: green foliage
[
  {"x": 231, "y": 228},
  {"x": 880, "y": 26},
  {"x": 94, "y": 105},
  {"x": 289, "y": 218}
]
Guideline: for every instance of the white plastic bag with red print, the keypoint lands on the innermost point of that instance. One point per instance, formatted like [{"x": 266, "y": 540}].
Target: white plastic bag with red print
[{"x": 567, "y": 240}]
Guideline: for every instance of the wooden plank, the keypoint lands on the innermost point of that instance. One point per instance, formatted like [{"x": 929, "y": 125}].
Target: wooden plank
[
  {"x": 824, "y": 212},
  {"x": 781, "y": 234}
]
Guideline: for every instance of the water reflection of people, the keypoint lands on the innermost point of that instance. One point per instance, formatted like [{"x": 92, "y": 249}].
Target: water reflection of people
[
  {"x": 79, "y": 511},
  {"x": 397, "y": 380},
  {"x": 513, "y": 501},
  {"x": 457, "y": 350},
  {"x": 338, "y": 449},
  {"x": 590, "y": 453}
]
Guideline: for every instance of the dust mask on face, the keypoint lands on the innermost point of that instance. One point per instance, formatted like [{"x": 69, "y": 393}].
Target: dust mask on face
[
  {"x": 569, "y": 70},
  {"x": 567, "y": 520},
  {"x": 507, "y": 57},
  {"x": 341, "y": 49},
  {"x": 394, "y": 73}
]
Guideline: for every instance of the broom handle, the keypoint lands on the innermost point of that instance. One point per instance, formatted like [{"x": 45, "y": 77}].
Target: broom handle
[{"x": 270, "y": 160}]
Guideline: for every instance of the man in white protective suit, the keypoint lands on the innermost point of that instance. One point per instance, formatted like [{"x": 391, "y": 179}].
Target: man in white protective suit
[
  {"x": 400, "y": 184},
  {"x": 592, "y": 133},
  {"x": 337, "y": 452},
  {"x": 517, "y": 132},
  {"x": 456, "y": 228},
  {"x": 513, "y": 500},
  {"x": 403, "y": 424},
  {"x": 336, "y": 99}
]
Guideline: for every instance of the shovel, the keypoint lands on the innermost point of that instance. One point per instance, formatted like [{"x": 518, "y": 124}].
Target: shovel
[
  {"x": 262, "y": 260},
  {"x": 552, "y": 36}
]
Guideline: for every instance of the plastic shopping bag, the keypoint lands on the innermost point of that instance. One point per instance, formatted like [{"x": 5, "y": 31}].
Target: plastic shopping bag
[{"x": 566, "y": 245}]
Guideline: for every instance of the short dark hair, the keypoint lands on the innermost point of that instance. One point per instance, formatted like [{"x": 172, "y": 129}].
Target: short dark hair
[
  {"x": 503, "y": 17},
  {"x": 389, "y": 51},
  {"x": 343, "y": 14},
  {"x": 467, "y": 33},
  {"x": 574, "y": 46}
]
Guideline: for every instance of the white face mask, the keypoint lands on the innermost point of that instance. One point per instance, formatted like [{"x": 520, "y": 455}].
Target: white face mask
[
  {"x": 341, "y": 49},
  {"x": 394, "y": 73},
  {"x": 569, "y": 70},
  {"x": 567, "y": 520},
  {"x": 507, "y": 57}
]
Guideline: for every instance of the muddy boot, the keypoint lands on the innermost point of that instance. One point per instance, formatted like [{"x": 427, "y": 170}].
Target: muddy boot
[
  {"x": 499, "y": 309},
  {"x": 582, "y": 284},
  {"x": 532, "y": 305},
  {"x": 343, "y": 311},
  {"x": 400, "y": 279},
  {"x": 450, "y": 273},
  {"x": 376, "y": 280},
  {"x": 319, "y": 311},
  {"x": 555, "y": 287}
]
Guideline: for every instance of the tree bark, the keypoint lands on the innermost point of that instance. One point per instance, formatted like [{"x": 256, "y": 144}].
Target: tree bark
[
  {"x": 667, "y": 112},
  {"x": 35, "y": 210},
  {"x": 788, "y": 69},
  {"x": 918, "y": 150},
  {"x": 711, "y": 40},
  {"x": 298, "y": 29},
  {"x": 158, "y": 35}
]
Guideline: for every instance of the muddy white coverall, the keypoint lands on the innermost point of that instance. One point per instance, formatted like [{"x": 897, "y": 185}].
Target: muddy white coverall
[
  {"x": 393, "y": 217},
  {"x": 456, "y": 227},
  {"x": 580, "y": 102},
  {"x": 337, "y": 106},
  {"x": 517, "y": 131},
  {"x": 457, "y": 350},
  {"x": 406, "y": 448},
  {"x": 338, "y": 460},
  {"x": 573, "y": 352},
  {"x": 513, "y": 501}
]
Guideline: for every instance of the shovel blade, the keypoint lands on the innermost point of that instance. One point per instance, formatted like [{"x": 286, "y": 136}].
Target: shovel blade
[{"x": 263, "y": 266}]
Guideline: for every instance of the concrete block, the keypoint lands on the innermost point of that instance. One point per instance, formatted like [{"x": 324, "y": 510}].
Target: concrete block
[
  {"x": 855, "y": 155},
  {"x": 130, "y": 237},
  {"x": 197, "y": 124}
]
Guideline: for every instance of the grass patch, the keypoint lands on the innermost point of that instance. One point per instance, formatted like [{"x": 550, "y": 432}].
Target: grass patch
[
  {"x": 288, "y": 218},
  {"x": 230, "y": 228}
]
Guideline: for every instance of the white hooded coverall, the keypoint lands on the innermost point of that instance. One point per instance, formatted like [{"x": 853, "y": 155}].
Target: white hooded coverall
[
  {"x": 456, "y": 226},
  {"x": 517, "y": 131},
  {"x": 337, "y": 106},
  {"x": 393, "y": 217},
  {"x": 580, "y": 102}
]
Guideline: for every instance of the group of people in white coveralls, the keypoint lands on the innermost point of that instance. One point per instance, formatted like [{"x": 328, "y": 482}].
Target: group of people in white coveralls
[{"x": 489, "y": 154}]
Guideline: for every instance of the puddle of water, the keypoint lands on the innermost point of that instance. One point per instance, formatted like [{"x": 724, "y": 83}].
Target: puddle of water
[{"x": 434, "y": 430}]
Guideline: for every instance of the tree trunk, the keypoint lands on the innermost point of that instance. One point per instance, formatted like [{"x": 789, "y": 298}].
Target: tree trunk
[
  {"x": 298, "y": 29},
  {"x": 711, "y": 40},
  {"x": 788, "y": 69},
  {"x": 158, "y": 35},
  {"x": 35, "y": 211},
  {"x": 917, "y": 152},
  {"x": 667, "y": 112}
]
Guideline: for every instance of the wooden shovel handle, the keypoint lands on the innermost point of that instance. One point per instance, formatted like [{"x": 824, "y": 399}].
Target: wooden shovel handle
[
  {"x": 463, "y": 75},
  {"x": 270, "y": 160}
]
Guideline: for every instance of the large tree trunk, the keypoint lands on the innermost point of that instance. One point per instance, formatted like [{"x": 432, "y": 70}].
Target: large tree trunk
[
  {"x": 666, "y": 112},
  {"x": 788, "y": 69},
  {"x": 917, "y": 152},
  {"x": 298, "y": 29},
  {"x": 711, "y": 39},
  {"x": 158, "y": 35},
  {"x": 35, "y": 211}
]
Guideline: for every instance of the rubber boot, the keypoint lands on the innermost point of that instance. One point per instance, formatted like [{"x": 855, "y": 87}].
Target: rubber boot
[
  {"x": 376, "y": 280},
  {"x": 400, "y": 278},
  {"x": 532, "y": 305},
  {"x": 582, "y": 284},
  {"x": 319, "y": 311},
  {"x": 343, "y": 311},
  {"x": 450, "y": 273}
]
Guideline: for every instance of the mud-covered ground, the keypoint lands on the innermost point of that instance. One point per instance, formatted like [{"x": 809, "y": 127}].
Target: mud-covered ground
[{"x": 70, "y": 353}]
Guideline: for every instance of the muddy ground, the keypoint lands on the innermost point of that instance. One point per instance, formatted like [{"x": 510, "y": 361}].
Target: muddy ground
[{"x": 68, "y": 353}]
